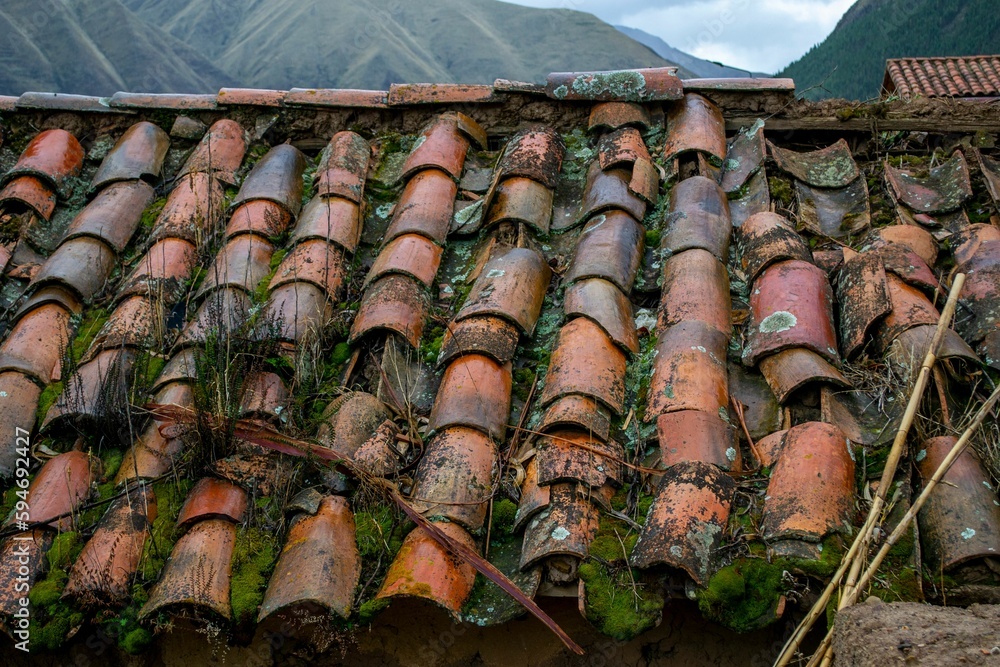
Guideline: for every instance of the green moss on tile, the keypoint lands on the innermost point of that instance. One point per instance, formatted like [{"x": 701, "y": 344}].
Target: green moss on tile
[
  {"x": 170, "y": 495},
  {"x": 91, "y": 324},
  {"x": 136, "y": 641},
  {"x": 254, "y": 556},
  {"x": 615, "y": 605},
  {"x": 370, "y": 609},
  {"x": 781, "y": 190},
  {"x": 743, "y": 596},
  {"x": 502, "y": 521}
]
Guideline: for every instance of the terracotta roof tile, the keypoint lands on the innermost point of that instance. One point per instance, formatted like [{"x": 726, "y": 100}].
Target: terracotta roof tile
[
  {"x": 970, "y": 76},
  {"x": 32, "y": 192},
  {"x": 439, "y": 93},
  {"x": 960, "y": 521},
  {"x": 311, "y": 97},
  {"x": 319, "y": 564},
  {"x": 53, "y": 156},
  {"x": 635, "y": 85},
  {"x": 101, "y": 576},
  {"x": 589, "y": 376},
  {"x": 59, "y": 489},
  {"x": 250, "y": 97},
  {"x": 66, "y": 102},
  {"x": 945, "y": 189},
  {"x": 692, "y": 497},
  {"x": 139, "y": 153},
  {"x": 454, "y": 479},
  {"x": 179, "y": 102}
]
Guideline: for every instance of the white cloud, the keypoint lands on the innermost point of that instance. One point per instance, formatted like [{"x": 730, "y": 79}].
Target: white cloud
[{"x": 758, "y": 35}]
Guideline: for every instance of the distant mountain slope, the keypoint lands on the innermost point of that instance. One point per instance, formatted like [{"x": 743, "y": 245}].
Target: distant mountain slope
[
  {"x": 873, "y": 30},
  {"x": 372, "y": 43},
  {"x": 691, "y": 67},
  {"x": 96, "y": 47}
]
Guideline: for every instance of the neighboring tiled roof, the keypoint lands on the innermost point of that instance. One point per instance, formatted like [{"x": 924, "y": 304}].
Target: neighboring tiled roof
[
  {"x": 586, "y": 331},
  {"x": 971, "y": 76}
]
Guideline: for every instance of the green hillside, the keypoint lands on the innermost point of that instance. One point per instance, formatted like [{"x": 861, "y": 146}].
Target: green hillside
[
  {"x": 850, "y": 63},
  {"x": 372, "y": 43}
]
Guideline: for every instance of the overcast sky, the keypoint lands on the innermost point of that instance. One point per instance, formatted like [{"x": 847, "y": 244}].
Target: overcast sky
[{"x": 758, "y": 35}]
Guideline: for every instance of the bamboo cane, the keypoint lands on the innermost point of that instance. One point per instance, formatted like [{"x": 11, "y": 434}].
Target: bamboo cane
[
  {"x": 892, "y": 463},
  {"x": 904, "y": 524}
]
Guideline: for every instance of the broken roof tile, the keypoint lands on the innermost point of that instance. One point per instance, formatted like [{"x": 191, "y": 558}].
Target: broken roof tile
[
  {"x": 698, "y": 218},
  {"x": 492, "y": 336},
  {"x": 910, "y": 308},
  {"x": 944, "y": 189},
  {"x": 156, "y": 449},
  {"x": 112, "y": 214},
  {"x": 86, "y": 389},
  {"x": 54, "y": 156},
  {"x": 696, "y": 287},
  {"x": 686, "y": 520},
  {"x": 811, "y": 492},
  {"x": 172, "y": 101},
  {"x": 960, "y": 521},
  {"x": 349, "y": 420},
  {"x": 610, "y": 247},
  {"x": 863, "y": 294},
  {"x": 693, "y": 435},
  {"x": 343, "y": 167},
  {"x": 454, "y": 479},
  {"x": 474, "y": 392},
  {"x": 138, "y": 153},
  {"x": 605, "y": 304},
  {"x": 766, "y": 238},
  {"x": 319, "y": 564},
  {"x": 919, "y": 240},
  {"x": 745, "y": 155},
  {"x": 32, "y": 192},
  {"x": 219, "y": 153},
  {"x": 565, "y": 528},
  {"x": 396, "y": 303},
  {"x": 276, "y": 177},
  {"x": 909, "y": 348},
  {"x": 23, "y": 562},
  {"x": 512, "y": 285},
  {"x": 425, "y": 207},
  {"x": 423, "y": 568},
  {"x": 756, "y": 198},
  {"x": 789, "y": 370},
  {"x": 621, "y": 148},
  {"x": 830, "y": 167},
  {"x": 534, "y": 153},
  {"x": 690, "y": 370},
  {"x": 628, "y": 85},
  {"x": 613, "y": 115},
  {"x": 131, "y": 324},
  {"x": 585, "y": 361},
  {"x": 990, "y": 169},
  {"x": 791, "y": 306},
  {"x": 836, "y": 212}
]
